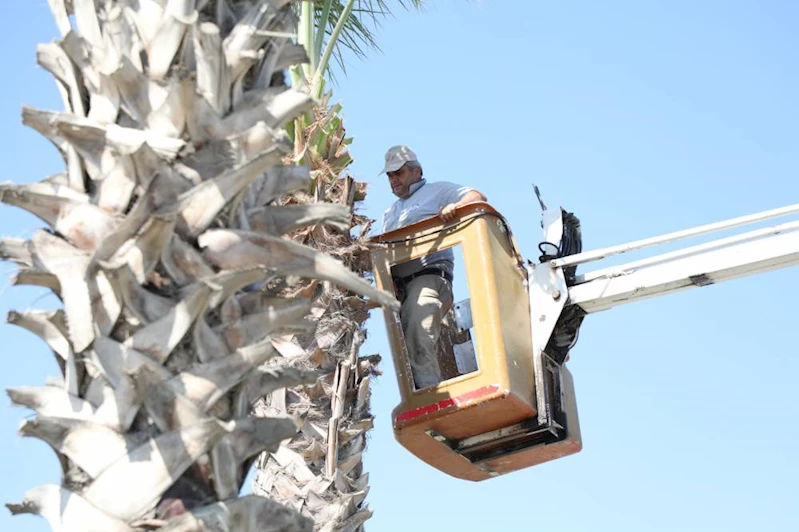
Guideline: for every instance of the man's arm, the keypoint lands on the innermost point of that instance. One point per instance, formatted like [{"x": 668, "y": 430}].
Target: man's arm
[{"x": 447, "y": 212}]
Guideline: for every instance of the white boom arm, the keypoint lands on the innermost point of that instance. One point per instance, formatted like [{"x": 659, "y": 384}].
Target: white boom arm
[{"x": 745, "y": 254}]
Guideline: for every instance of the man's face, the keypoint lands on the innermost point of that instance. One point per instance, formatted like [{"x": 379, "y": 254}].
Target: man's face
[{"x": 402, "y": 179}]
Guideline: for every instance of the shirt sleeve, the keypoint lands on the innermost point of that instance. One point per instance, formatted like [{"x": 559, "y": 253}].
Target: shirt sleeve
[{"x": 453, "y": 193}]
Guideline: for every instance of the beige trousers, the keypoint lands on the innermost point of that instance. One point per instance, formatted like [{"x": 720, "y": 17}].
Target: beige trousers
[{"x": 428, "y": 299}]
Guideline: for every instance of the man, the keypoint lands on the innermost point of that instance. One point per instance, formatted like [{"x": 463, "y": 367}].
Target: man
[{"x": 424, "y": 285}]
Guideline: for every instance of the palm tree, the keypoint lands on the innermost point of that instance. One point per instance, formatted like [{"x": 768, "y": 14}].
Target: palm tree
[
  {"x": 320, "y": 471},
  {"x": 164, "y": 243}
]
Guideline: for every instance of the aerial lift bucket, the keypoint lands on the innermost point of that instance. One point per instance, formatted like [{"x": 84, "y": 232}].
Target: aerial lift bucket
[
  {"x": 503, "y": 404},
  {"x": 512, "y": 404}
]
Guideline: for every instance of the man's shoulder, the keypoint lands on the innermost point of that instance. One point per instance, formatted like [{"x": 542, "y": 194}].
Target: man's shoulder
[
  {"x": 439, "y": 186},
  {"x": 448, "y": 190},
  {"x": 444, "y": 184}
]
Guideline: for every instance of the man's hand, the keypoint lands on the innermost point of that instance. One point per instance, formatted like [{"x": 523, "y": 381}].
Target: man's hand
[{"x": 447, "y": 212}]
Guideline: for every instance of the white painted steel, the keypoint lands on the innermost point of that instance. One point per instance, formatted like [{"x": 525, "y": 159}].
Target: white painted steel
[
  {"x": 615, "y": 271},
  {"x": 598, "y": 254},
  {"x": 708, "y": 267}
]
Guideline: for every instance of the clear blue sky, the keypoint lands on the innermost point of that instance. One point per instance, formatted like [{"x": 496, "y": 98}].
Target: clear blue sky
[{"x": 641, "y": 117}]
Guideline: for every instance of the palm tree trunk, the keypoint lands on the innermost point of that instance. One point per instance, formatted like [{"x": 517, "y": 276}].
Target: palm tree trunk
[
  {"x": 165, "y": 247},
  {"x": 320, "y": 471}
]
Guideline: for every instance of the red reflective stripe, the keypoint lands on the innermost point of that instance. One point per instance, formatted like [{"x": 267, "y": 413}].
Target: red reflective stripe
[{"x": 446, "y": 403}]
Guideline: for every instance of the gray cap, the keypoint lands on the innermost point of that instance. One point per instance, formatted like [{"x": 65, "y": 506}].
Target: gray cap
[{"x": 396, "y": 157}]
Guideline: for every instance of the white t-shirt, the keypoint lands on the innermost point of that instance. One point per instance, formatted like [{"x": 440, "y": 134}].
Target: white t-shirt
[{"x": 425, "y": 200}]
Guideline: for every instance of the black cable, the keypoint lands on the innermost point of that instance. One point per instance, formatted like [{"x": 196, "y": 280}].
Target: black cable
[{"x": 548, "y": 256}]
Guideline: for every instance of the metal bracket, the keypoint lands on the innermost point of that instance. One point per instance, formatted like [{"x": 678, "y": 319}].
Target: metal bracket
[{"x": 548, "y": 294}]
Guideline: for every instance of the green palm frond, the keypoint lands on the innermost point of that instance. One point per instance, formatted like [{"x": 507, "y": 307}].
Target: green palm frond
[{"x": 358, "y": 32}]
